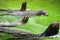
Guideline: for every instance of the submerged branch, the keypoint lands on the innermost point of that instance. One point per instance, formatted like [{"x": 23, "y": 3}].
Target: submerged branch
[
  {"x": 23, "y": 7},
  {"x": 12, "y": 24},
  {"x": 23, "y": 12},
  {"x": 27, "y": 13},
  {"x": 53, "y": 29}
]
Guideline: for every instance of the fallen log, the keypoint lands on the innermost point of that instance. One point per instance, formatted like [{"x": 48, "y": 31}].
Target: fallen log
[
  {"x": 53, "y": 29},
  {"x": 12, "y": 24},
  {"x": 21, "y": 12},
  {"x": 27, "y": 13}
]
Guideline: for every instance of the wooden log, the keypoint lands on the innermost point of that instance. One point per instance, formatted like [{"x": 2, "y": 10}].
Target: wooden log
[
  {"x": 12, "y": 24},
  {"x": 21, "y": 12},
  {"x": 27, "y": 13},
  {"x": 53, "y": 29},
  {"x": 23, "y": 7}
]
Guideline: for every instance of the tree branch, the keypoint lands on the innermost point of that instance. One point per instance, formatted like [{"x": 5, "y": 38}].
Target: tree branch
[
  {"x": 27, "y": 13},
  {"x": 53, "y": 29},
  {"x": 23, "y": 7},
  {"x": 11, "y": 24}
]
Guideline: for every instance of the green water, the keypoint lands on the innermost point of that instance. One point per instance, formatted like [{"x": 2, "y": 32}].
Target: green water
[{"x": 41, "y": 22}]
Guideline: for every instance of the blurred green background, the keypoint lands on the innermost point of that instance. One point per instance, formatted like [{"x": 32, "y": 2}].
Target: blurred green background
[{"x": 37, "y": 24}]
